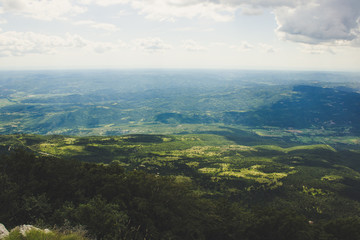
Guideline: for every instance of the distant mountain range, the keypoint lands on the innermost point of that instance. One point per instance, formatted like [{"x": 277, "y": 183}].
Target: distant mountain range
[{"x": 106, "y": 103}]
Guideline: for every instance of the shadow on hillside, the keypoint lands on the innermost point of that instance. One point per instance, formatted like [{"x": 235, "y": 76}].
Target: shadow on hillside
[{"x": 249, "y": 139}]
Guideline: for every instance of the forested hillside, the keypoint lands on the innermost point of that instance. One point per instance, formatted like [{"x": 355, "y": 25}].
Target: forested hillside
[
  {"x": 180, "y": 187},
  {"x": 113, "y": 204}
]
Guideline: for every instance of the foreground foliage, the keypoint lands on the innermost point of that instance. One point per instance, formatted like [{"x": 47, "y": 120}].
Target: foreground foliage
[{"x": 112, "y": 203}]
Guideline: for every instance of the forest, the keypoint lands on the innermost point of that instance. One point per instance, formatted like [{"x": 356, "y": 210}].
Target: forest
[
  {"x": 113, "y": 204},
  {"x": 179, "y": 187}
]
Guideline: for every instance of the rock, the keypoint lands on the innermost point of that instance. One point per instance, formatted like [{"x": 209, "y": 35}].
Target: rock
[
  {"x": 25, "y": 228},
  {"x": 3, "y": 231}
]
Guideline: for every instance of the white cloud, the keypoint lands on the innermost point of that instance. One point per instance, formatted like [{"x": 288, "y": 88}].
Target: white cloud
[
  {"x": 3, "y": 21},
  {"x": 316, "y": 49},
  {"x": 305, "y": 21},
  {"x": 184, "y": 29},
  {"x": 151, "y": 44},
  {"x": 251, "y": 11},
  {"x": 13, "y": 5},
  {"x": 102, "y": 47},
  {"x": 192, "y": 46},
  {"x": 169, "y": 10},
  {"x": 356, "y": 42},
  {"x": 267, "y": 48},
  {"x": 193, "y": 29},
  {"x": 243, "y": 46},
  {"x": 42, "y": 9},
  {"x": 263, "y": 3},
  {"x": 123, "y": 12},
  {"x": 103, "y": 3},
  {"x": 335, "y": 22},
  {"x": 320, "y": 21},
  {"x": 24, "y": 43},
  {"x": 97, "y": 25},
  {"x": 246, "y": 46}
]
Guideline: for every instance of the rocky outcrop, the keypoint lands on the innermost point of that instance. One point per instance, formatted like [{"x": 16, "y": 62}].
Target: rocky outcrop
[
  {"x": 23, "y": 229},
  {"x": 3, "y": 231}
]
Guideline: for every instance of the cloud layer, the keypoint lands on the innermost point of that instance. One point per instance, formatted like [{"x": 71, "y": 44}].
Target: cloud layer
[
  {"x": 43, "y": 9},
  {"x": 334, "y": 22},
  {"x": 25, "y": 43},
  {"x": 98, "y": 25},
  {"x": 323, "y": 34},
  {"x": 22, "y": 43},
  {"x": 151, "y": 45},
  {"x": 305, "y": 21}
]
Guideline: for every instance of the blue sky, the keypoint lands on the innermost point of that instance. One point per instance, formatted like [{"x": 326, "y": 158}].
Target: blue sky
[{"x": 235, "y": 34}]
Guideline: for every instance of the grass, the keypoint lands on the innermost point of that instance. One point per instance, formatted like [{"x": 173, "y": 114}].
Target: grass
[
  {"x": 253, "y": 173},
  {"x": 296, "y": 148},
  {"x": 332, "y": 178},
  {"x": 313, "y": 191}
]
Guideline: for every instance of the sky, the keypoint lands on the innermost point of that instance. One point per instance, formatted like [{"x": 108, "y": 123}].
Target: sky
[{"x": 205, "y": 34}]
